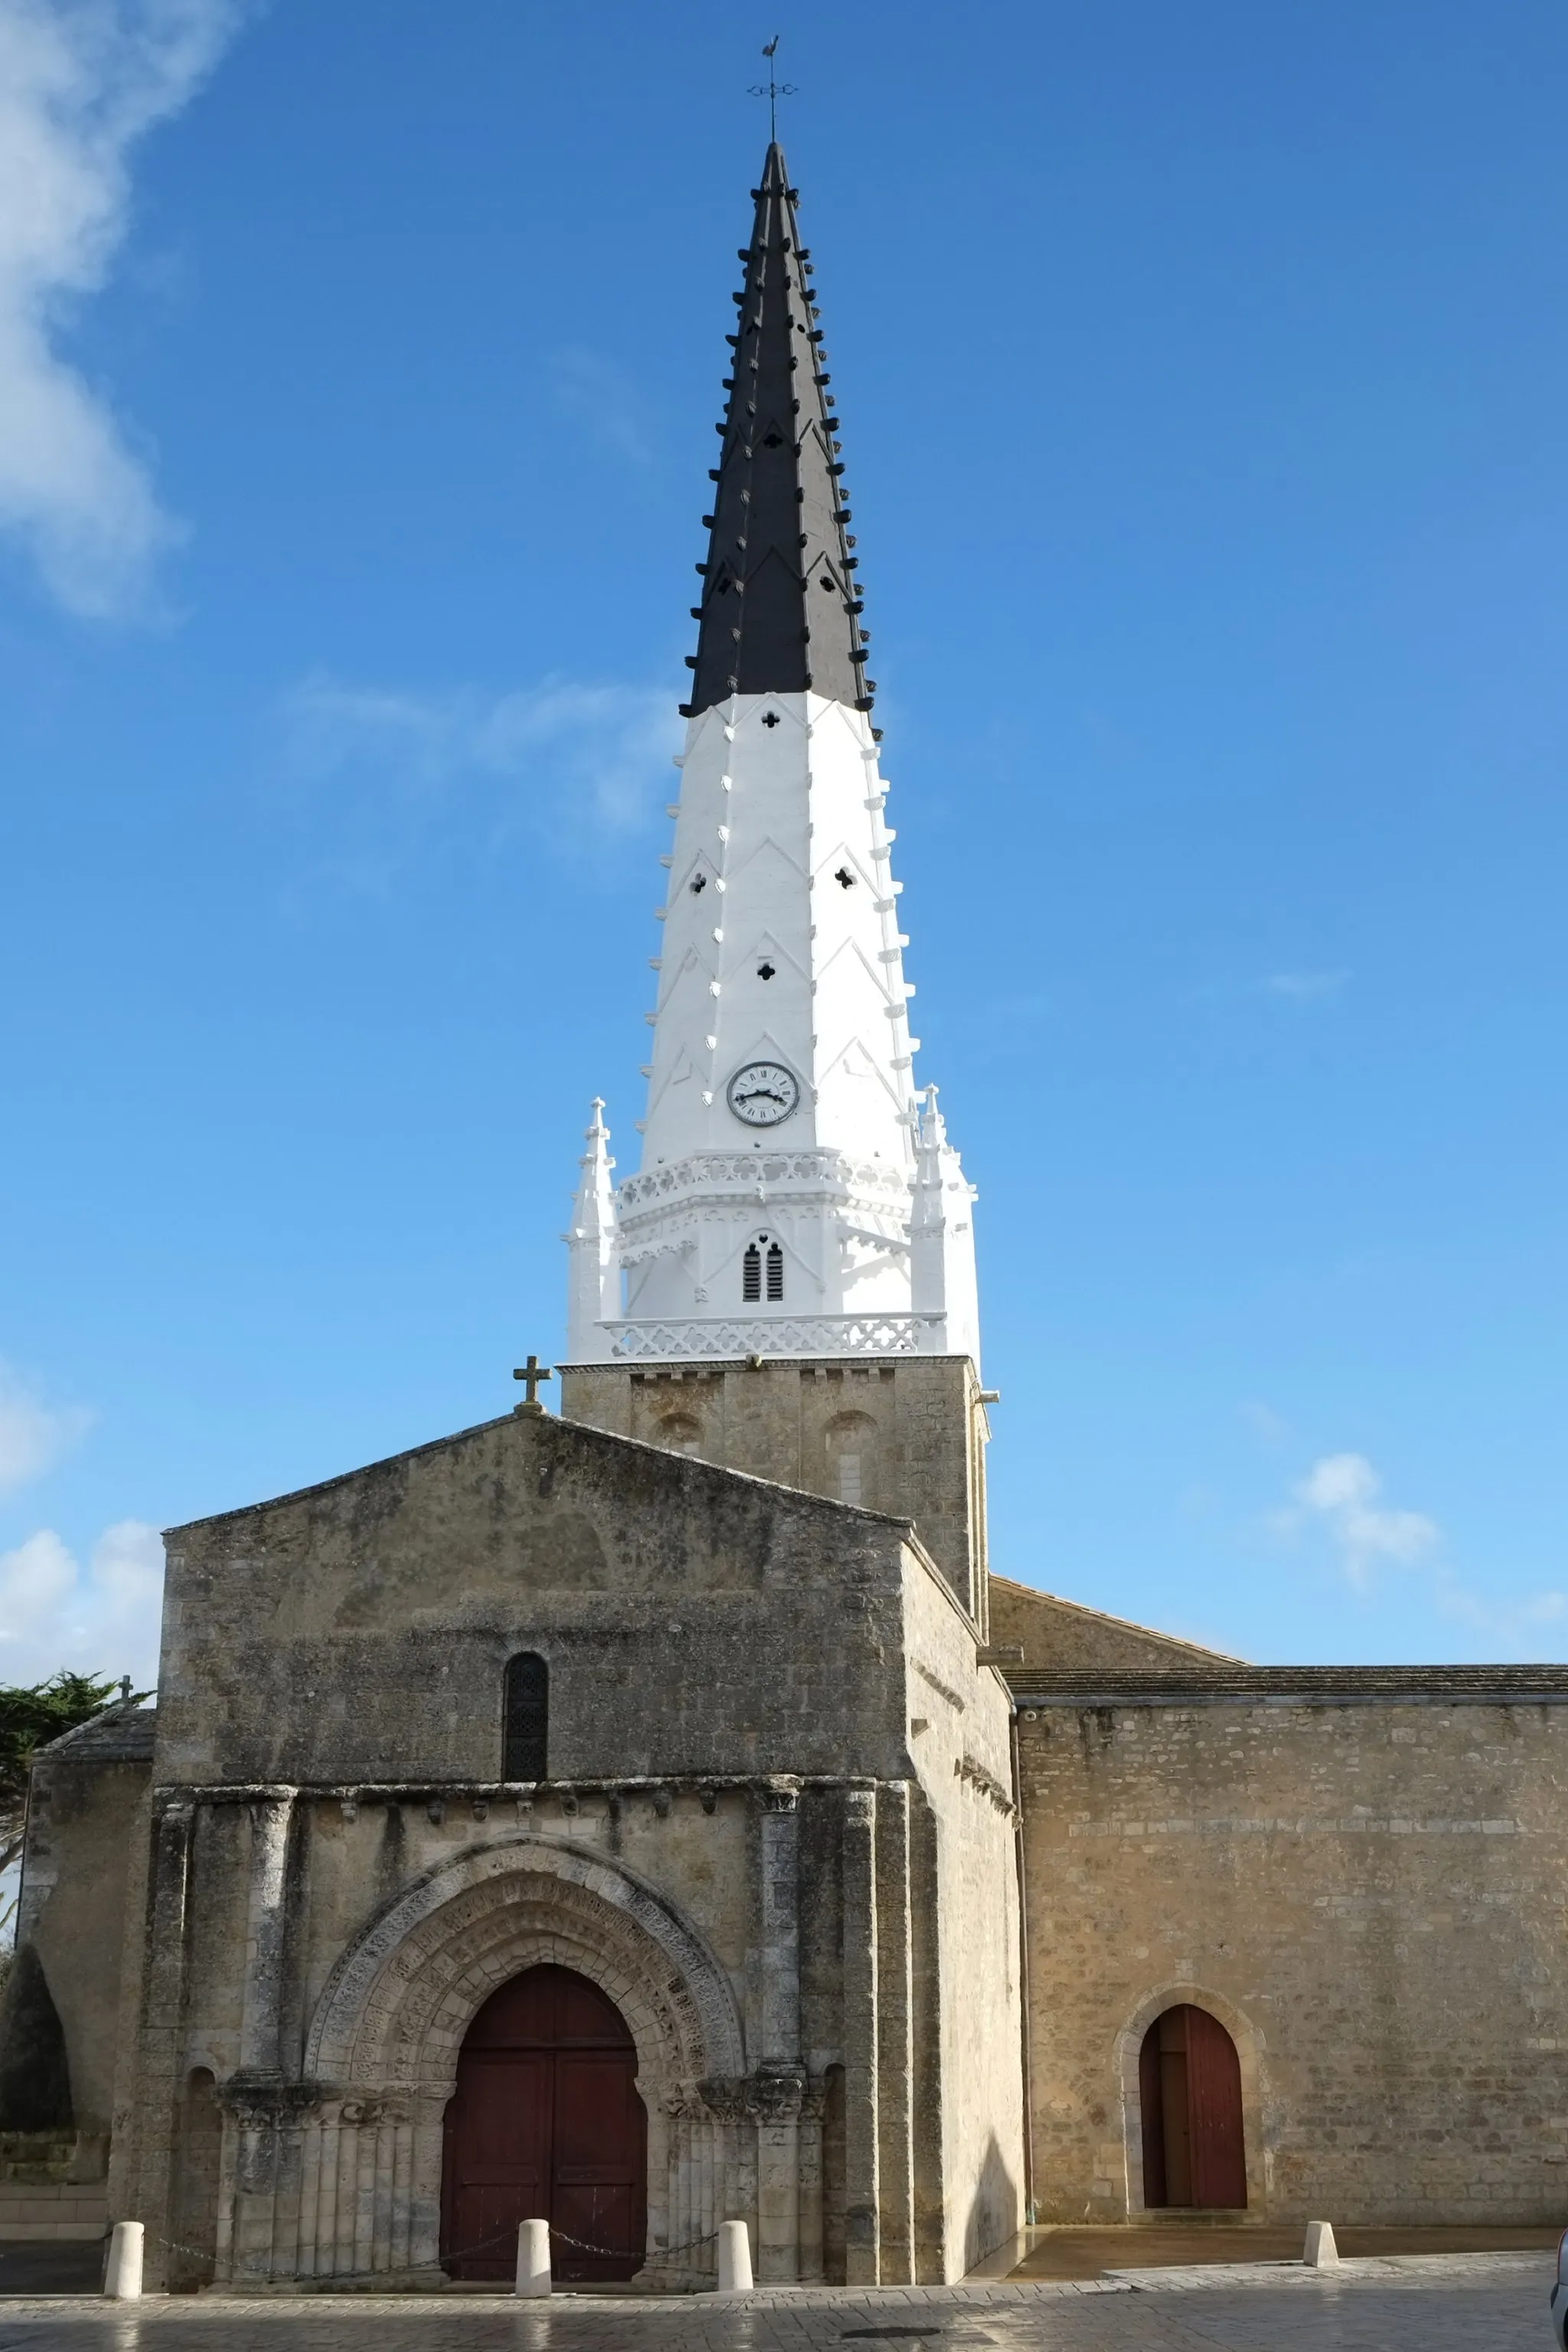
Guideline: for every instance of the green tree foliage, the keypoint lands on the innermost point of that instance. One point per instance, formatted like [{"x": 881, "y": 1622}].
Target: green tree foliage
[{"x": 31, "y": 1715}]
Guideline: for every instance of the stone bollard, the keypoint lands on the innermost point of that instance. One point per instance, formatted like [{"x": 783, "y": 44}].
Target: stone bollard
[
  {"x": 734, "y": 2258},
  {"x": 123, "y": 2274},
  {"x": 532, "y": 2258},
  {"x": 1320, "y": 2253}
]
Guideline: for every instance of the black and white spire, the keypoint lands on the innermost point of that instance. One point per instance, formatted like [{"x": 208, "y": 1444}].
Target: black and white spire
[
  {"x": 780, "y": 611},
  {"x": 797, "y": 1193}
]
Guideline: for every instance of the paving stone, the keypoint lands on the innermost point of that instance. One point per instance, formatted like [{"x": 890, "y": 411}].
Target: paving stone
[{"x": 1450, "y": 2303}]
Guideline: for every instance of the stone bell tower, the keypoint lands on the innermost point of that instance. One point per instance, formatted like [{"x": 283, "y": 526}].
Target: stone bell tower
[{"x": 787, "y": 1282}]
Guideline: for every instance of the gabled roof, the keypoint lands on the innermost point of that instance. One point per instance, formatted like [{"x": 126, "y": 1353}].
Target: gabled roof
[
  {"x": 122, "y": 1734},
  {"x": 1056, "y": 1635}
]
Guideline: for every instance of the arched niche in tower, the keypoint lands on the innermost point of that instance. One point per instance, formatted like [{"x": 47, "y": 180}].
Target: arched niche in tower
[{"x": 850, "y": 1444}]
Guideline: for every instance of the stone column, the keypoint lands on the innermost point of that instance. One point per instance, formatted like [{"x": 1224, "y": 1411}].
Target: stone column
[
  {"x": 252, "y": 2091},
  {"x": 149, "y": 2180},
  {"x": 780, "y": 2080},
  {"x": 263, "y": 1995},
  {"x": 895, "y": 2036},
  {"x": 861, "y": 2160},
  {"x": 811, "y": 2190},
  {"x": 781, "y": 1923}
]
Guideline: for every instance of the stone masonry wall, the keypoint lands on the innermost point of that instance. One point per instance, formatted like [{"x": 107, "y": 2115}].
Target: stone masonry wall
[
  {"x": 693, "y": 1622},
  {"x": 1055, "y": 1632},
  {"x": 729, "y": 1753},
  {"x": 87, "y": 1821},
  {"x": 965, "y": 1898},
  {"x": 913, "y": 1427},
  {"x": 1372, "y": 1898}
]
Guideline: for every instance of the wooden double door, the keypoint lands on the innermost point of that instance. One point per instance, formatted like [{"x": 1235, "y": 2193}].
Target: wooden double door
[
  {"x": 546, "y": 2124},
  {"x": 1189, "y": 2085}
]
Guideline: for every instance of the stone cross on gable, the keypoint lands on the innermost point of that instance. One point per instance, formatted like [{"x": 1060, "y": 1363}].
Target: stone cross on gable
[{"x": 534, "y": 1372}]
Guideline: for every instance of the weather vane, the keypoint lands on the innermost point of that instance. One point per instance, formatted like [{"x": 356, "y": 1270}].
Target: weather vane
[{"x": 772, "y": 89}]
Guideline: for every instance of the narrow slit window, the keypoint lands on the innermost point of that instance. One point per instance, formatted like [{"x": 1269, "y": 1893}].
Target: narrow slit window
[
  {"x": 525, "y": 1738},
  {"x": 850, "y": 1486},
  {"x": 752, "y": 1273},
  {"x": 776, "y": 1271}
]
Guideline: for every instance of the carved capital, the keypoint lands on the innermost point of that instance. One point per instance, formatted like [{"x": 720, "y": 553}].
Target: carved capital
[
  {"x": 260, "y": 2103},
  {"x": 776, "y": 2093},
  {"x": 722, "y": 2097}
]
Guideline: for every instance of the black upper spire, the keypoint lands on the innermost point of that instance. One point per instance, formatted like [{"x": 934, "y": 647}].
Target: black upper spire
[{"x": 779, "y": 610}]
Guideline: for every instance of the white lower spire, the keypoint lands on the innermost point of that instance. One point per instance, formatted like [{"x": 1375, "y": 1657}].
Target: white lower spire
[
  {"x": 594, "y": 1295},
  {"x": 790, "y": 1199},
  {"x": 941, "y": 1243}
]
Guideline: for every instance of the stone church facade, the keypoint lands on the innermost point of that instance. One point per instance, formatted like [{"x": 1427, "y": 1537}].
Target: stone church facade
[{"x": 658, "y": 1812}]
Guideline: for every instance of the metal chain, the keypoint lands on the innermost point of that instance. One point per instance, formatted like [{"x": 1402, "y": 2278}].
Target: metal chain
[
  {"x": 619, "y": 2253},
  {"x": 481, "y": 2246},
  {"x": 457, "y": 2254}
]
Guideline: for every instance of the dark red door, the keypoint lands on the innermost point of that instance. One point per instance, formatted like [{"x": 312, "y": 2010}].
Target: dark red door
[
  {"x": 1189, "y": 2082},
  {"x": 546, "y": 2124}
]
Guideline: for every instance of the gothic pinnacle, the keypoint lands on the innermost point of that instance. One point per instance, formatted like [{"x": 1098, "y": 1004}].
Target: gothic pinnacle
[{"x": 779, "y": 611}]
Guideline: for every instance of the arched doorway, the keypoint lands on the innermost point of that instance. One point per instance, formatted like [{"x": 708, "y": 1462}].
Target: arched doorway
[
  {"x": 1189, "y": 2083},
  {"x": 546, "y": 2124}
]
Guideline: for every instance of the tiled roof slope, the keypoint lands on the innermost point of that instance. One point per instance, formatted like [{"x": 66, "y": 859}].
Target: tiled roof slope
[
  {"x": 1329, "y": 1686},
  {"x": 121, "y": 1735}
]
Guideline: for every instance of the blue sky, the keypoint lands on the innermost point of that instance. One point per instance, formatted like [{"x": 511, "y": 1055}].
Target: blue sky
[{"x": 1204, "y": 371}]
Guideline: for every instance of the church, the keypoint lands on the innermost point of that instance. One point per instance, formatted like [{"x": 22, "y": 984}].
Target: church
[{"x": 656, "y": 1811}]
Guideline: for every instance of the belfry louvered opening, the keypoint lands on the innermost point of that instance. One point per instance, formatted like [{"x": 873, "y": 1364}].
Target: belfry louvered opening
[{"x": 761, "y": 1273}]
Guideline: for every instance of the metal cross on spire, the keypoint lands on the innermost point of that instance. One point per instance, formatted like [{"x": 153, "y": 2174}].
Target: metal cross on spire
[{"x": 772, "y": 89}]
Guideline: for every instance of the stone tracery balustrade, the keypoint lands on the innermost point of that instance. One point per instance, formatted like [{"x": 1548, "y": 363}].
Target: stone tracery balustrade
[
  {"x": 778, "y": 1335},
  {"x": 732, "y": 1171}
]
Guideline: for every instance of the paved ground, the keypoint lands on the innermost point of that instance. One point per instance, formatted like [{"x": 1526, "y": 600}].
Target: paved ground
[
  {"x": 1060, "y": 2252},
  {"x": 1481, "y": 2303}
]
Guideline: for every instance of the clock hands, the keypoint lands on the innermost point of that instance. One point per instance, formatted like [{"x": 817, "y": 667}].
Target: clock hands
[{"x": 763, "y": 1094}]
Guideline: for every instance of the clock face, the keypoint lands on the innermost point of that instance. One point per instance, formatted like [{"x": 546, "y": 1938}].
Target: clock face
[{"x": 762, "y": 1093}]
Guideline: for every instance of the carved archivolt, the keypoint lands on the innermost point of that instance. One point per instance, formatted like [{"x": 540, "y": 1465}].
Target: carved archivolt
[{"x": 402, "y": 1997}]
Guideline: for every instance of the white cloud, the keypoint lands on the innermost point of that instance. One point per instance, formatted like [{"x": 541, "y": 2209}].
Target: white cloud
[
  {"x": 595, "y": 757},
  {"x": 1339, "y": 1492},
  {"x": 599, "y": 398},
  {"x": 1291, "y": 987},
  {"x": 33, "y": 1435},
  {"x": 1519, "y": 1624},
  {"x": 1304, "y": 987},
  {"x": 1269, "y": 1428},
  {"x": 80, "y": 82},
  {"x": 105, "y": 1620},
  {"x": 1340, "y": 1497}
]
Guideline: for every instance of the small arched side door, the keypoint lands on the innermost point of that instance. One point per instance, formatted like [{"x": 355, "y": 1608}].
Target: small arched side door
[{"x": 1189, "y": 2086}]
